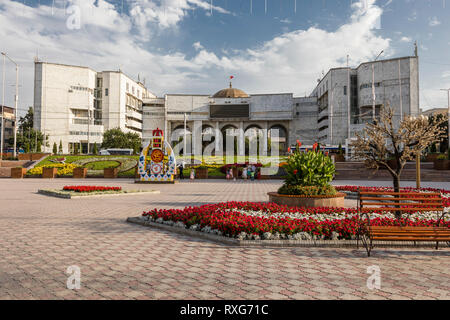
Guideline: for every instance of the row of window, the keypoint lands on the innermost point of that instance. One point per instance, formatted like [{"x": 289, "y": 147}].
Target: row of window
[
  {"x": 369, "y": 85},
  {"x": 80, "y": 88},
  {"x": 159, "y": 114},
  {"x": 82, "y": 133}
]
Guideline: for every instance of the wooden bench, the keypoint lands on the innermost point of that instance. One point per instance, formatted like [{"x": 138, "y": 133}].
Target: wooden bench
[{"x": 400, "y": 202}]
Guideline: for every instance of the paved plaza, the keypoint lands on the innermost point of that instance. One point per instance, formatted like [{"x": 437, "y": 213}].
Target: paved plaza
[{"x": 42, "y": 236}]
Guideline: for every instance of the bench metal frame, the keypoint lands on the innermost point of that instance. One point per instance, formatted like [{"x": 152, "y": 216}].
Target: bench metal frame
[{"x": 364, "y": 230}]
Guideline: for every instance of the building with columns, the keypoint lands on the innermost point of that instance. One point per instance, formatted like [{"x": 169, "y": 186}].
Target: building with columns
[
  {"x": 75, "y": 105},
  {"x": 228, "y": 113},
  {"x": 340, "y": 105}
]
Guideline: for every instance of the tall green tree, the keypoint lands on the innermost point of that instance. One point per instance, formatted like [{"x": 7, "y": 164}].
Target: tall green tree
[
  {"x": 95, "y": 149},
  {"x": 28, "y": 138},
  {"x": 55, "y": 148},
  {"x": 116, "y": 138},
  {"x": 60, "y": 149}
]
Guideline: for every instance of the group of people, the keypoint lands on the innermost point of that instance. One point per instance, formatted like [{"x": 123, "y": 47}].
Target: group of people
[
  {"x": 249, "y": 172},
  {"x": 180, "y": 172}
]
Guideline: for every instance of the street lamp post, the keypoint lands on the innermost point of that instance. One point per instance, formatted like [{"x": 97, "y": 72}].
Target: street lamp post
[
  {"x": 16, "y": 99},
  {"x": 448, "y": 105},
  {"x": 3, "y": 114},
  {"x": 373, "y": 85}
]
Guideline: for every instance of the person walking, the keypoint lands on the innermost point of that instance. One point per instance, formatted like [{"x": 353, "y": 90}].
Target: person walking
[
  {"x": 180, "y": 172},
  {"x": 192, "y": 174},
  {"x": 244, "y": 173}
]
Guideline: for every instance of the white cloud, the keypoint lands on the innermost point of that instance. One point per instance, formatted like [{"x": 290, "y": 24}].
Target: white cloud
[
  {"x": 167, "y": 13},
  {"x": 405, "y": 39},
  {"x": 434, "y": 22},
  {"x": 413, "y": 16},
  {"x": 287, "y": 20},
  {"x": 107, "y": 40}
]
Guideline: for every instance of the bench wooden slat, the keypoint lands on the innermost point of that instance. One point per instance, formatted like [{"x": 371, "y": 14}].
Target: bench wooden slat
[
  {"x": 401, "y": 234},
  {"x": 401, "y": 193},
  {"x": 410, "y": 239},
  {"x": 391, "y": 203},
  {"x": 401, "y": 209},
  {"x": 400, "y": 198},
  {"x": 408, "y": 228}
]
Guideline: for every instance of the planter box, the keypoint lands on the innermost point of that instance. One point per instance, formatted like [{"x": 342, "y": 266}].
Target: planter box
[
  {"x": 441, "y": 164},
  {"x": 49, "y": 173},
  {"x": 201, "y": 173},
  {"x": 37, "y": 156},
  {"x": 110, "y": 173},
  {"x": 309, "y": 202},
  {"x": 80, "y": 173},
  {"x": 18, "y": 173},
  {"x": 339, "y": 158},
  {"x": 24, "y": 156},
  {"x": 431, "y": 157}
]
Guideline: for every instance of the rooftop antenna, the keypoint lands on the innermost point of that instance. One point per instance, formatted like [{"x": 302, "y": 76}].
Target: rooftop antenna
[
  {"x": 36, "y": 58},
  {"x": 415, "y": 49}
]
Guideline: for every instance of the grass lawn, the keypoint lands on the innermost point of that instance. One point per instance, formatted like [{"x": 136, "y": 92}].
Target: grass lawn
[
  {"x": 100, "y": 165},
  {"x": 104, "y": 162}
]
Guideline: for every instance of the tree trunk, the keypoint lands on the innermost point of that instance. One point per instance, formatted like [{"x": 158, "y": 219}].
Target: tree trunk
[{"x": 396, "y": 181}]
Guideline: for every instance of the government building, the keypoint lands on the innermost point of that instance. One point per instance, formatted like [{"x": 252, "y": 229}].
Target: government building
[{"x": 77, "y": 104}]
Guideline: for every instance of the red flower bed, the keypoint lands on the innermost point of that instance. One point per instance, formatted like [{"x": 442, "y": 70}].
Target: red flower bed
[
  {"x": 228, "y": 218},
  {"x": 90, "y": 188}
]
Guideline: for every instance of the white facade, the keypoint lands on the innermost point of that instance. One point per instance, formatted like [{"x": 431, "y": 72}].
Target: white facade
[
  {"x": 340, "y": 105},
  {"x": 345, "y": 94},
  {"x": 75, "y": 105}
]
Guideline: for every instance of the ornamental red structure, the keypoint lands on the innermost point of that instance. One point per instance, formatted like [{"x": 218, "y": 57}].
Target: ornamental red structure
[{"x": 158, "y": 133}]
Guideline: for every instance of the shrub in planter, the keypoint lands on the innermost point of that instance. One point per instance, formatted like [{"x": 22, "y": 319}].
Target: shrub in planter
[
  {"x": 310, "y": 168},
  {"x": 441, "y": 163},
  {"x": 307, "y": 183},
  {"x": 430, "y": 157},
  {"x": 327, "y": 189}
]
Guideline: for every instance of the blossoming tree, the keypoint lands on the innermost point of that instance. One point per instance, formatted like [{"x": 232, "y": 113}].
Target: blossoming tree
[{"x": 382, "y": 141}]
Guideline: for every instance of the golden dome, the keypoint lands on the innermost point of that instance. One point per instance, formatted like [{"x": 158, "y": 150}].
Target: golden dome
[{"x": 230, "y": 93}]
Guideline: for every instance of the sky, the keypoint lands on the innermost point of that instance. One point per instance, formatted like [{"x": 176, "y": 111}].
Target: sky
[{"x": 193, "y": 46}]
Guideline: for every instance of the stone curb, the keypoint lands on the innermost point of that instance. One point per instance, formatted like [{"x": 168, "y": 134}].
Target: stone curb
[
  {"x": 69, "y": 196},
  {"x": 279, "y": 243}
]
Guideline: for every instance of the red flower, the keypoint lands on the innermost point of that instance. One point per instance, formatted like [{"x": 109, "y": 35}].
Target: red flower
[
  {"x": 90, "y": 188},
  {"x": 315, "y": 146},
  {"x": 295, "y": 171}
]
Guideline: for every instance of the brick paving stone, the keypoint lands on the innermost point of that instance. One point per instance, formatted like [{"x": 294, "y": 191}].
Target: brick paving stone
[{"x": 41, "y": 236}]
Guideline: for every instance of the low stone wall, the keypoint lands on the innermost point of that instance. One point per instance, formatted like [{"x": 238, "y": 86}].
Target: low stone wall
[{"x": 12, "y": 164}]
